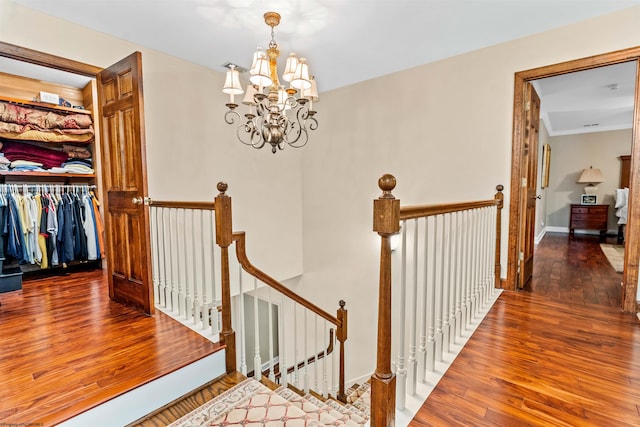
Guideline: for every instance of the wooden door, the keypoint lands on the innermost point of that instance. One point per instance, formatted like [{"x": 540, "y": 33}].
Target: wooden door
[
  {"x": 529, "y": 172},
  {"x": 124, "y": 178}
]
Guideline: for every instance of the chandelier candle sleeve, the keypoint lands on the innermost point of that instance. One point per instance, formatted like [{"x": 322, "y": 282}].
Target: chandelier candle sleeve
[{"x": 276, "y": 115}]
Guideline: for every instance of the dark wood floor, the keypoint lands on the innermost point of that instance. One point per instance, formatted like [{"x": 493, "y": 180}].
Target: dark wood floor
[
  {"x": 575, "y": 269},
  {"x": 560, "y": 353},
  {"x": 64, "y": 348}
]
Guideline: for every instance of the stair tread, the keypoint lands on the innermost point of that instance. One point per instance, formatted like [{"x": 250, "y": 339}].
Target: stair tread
[{"x": 227, "y": 400}]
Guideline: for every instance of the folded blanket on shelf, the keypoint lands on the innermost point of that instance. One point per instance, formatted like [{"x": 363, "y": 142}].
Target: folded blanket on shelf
[
  {"x": 41, "y": 119},
  {"x": 47, "y": 157}
]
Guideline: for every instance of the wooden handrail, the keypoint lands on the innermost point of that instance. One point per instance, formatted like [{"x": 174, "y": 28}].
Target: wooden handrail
[
  {"x": 290, "y": 369},
  {"x": 239, "y": 239},
  {"x": 413, "y": 212},
  {"x": 182, "y": 205},
  {"x": 224, "y": 237}
]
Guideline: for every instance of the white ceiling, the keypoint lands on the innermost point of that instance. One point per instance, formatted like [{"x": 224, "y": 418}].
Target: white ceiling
[
  {"x": 345, "y": 41},
  {"x": 596, "y": 100}
]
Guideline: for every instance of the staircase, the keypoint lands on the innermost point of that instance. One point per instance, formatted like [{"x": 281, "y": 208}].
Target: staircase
[{"x": 241, "y": 401}]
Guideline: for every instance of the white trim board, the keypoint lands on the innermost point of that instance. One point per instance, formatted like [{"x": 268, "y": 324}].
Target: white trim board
[
  {"x": 552, "y": 229},
  {"x": 137, "y": 403}
]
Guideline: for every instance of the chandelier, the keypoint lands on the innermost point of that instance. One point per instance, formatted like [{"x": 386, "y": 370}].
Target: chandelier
[{"x": 276, "y": 115}]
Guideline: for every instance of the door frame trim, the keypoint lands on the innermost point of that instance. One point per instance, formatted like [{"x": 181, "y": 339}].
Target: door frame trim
[
  {"x": 31, "y": 56},
  {"x": 632, "y": 252}
]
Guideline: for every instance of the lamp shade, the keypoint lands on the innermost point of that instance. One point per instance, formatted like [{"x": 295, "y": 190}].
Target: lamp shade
[
  {"x": 301, "y": 79},
  {"x": 312, "y": 93},
  {"x": 232, "y": 82},
  {"x": 591, "y": 176},
  {"x": 260, "y": 74},
  {"x": 290, "y": 67},
  {"x": 249, "y": 95}
]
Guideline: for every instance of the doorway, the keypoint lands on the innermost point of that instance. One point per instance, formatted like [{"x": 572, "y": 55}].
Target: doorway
[
  {"x": 630, "y": 275},
  {"x": 122, "y": 154}
]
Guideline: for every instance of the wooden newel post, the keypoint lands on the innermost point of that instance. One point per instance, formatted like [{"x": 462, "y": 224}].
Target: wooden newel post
[
  {"x": 499, "y": 197},
  {"x": 224, "y": 238},
  {"x": 386, "y": 222},
  {"x": 341, "y": 335}
]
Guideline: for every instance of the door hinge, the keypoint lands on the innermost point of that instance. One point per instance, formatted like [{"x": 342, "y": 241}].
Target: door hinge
[
  {"x": 521, "y": 256},
  {"x": 524, "y": 182},
  {"x": 528, "y": 106}
]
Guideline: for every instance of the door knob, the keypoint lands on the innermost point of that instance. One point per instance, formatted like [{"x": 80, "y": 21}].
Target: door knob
[{"x": 141, "y": 200}]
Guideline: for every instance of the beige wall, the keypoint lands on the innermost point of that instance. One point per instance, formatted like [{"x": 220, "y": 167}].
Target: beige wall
[
  {"x": 444, "y": 129},
  {"x": 189, "y": 147},
  {"x": 571, "y": 154}
]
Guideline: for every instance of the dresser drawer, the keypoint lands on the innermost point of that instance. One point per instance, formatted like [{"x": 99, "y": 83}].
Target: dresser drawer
[
  {"x": 598, "y": 225},
  {"x": 579, "y": 210},
  {"x": 591, "y": 217}
]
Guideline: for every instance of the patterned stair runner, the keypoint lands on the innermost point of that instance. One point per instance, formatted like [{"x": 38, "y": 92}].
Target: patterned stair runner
[{"x": 250, "y": 403}]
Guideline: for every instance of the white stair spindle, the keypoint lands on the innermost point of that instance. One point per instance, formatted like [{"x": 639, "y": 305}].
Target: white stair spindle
[
  {"x": 334, "y": 366},
  {"x": 316, "y": 362},
  {"x": 325, "y": 389},
  {"x": 203, "y": 284},
  {"x": 257, "y": 360},
  {"x": 272, "y": 374},
  {"x": 196, "y": 301},
  {"x": 401, "y": 373},
  {"x": 282, "y": 344},
  {"x": 243, "y": 332},
  {"x": 305, "y": 334},
  {"x": 478, "y": 259},
  {"x": 181, "y": 285},
  {"x": 475, "y": 252},
  {"x": 495, "y": 280},
  {"x": 452, "y": 278},
  {"x": 422, "y": 345},
  {"x": 485, "y": 255},
  {"x": 188, "y": 305},
  {"x": 446, "y": 279},
  {"x": 215, "y": 325},
  {"x": 163, "y": 258},
  {"x": 412, "y": 364},
  {"x": 431, "y": 300},
  {"x": 458, "y": 270},
  {"x": 438, "y": 293},
  {"x": 153, "y": 226},
  {"x": 296, "y": 376},
  {"x": 171, "y": 262}
]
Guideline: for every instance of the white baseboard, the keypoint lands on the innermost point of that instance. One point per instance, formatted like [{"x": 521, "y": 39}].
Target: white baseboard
[
  {"x": 551, "y": 229},
  {"x": 539, "y": 237}
]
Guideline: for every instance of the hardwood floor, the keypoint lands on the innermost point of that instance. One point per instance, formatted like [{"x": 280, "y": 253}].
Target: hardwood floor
[
  {"x": 575, "y": 269},
  {"x": 561, "y": 353},
  {"x": 65, "y": 348}
]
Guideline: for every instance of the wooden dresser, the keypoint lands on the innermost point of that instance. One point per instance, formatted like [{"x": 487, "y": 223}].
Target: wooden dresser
[{"x": 589, "y": 217}]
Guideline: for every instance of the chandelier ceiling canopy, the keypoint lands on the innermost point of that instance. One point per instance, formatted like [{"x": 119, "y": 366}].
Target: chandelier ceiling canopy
[{"x": 275, "y": 115}]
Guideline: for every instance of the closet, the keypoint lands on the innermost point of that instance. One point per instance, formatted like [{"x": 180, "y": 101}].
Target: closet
[{"x": 48, "y": 164}]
